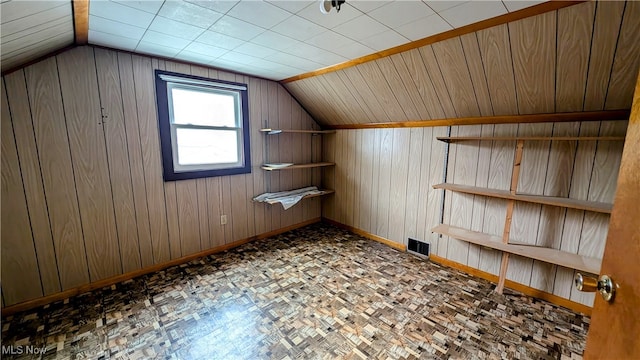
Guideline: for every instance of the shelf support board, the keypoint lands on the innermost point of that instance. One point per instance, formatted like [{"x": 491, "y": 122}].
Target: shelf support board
[{"x": 515, "y": 176}]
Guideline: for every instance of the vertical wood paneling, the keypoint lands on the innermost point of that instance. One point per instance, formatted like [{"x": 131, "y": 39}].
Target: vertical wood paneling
[
  {"x": 398, "y": 87},
  {"x": 375, "y": 179},
  {"x": 71, "y": 168},
  {"x": 626, "y": 62},
  {"x": 20, "y": 275},
  {"x": 32, "y": 179},
  {"x": 134, "y": 147},
  {"x": 384, "y": 182},
  {"x": 201, "y": 187},
  {"x": 359, "y": 82},
  {"x": 413, "y": 187},
  {"x": 424, "y": 206},
  {"x": 476, "y": 71},
  {"x": 186, "y": 194},
  {"x": 498, "y": 67},
  {"x": 479, "y": 202},
  {"x": 526, "y": 216},
  {"x": 552, "y": 218},
  {"x": 575, "y": 25},
  {"x": 463, "y": 169},
  {"x": 431, "y": 64},
  {"x": 78, "y": 84},
  {"x": 398, "y": 189},
  {"x": 150, "y": 144},
  {"x": 366, "y": 110},
  {"x": 412, "y": 92},
  {"x": 499, "y": 177},
  {"x": 436, "y": 174},
  {"x": 533, "y": 46},
  {"x": 118, "y": 158},
  {"x": 423, "y": 83},
  {"x": 57, "y": 172},
  {"x": 383, "y": 92},
  {"x": 603, "y": 48},
  {"x": 453, "y": 65}
]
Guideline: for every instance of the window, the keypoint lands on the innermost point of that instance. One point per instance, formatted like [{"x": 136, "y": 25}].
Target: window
[{"x": 204, "y": 126}]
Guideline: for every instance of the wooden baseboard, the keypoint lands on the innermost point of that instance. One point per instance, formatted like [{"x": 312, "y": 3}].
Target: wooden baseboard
[
  {"x": 527, "y": 290},
  {"x": 380, "y": 239},
  {"x": 30, "y": 304}
]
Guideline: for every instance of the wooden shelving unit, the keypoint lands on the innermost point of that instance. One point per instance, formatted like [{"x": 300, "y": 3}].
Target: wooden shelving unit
[
  {"x": 298, "y": 166},
  {"x": 323, "y": 193},
  {"x": 553, "y": 256},
  {"x": 281, "y": 131},
  {"x": 536, "y": 199},
  {"x": 503, "y": 243},
  {"x": 270, "y": 131}
]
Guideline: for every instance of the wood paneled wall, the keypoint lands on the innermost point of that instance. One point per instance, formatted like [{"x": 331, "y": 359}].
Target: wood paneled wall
[
  {"x": 580, "y": 58},
  {"x": 383, "y": 180},
  {"x": 82, "y": 192}
]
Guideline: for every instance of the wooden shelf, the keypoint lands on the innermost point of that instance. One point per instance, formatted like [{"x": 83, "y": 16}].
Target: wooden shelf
[
  {"x": 324, "y": 192},
  {"x": 450, "y": 139},
  {"x": 536, "y": 199},
  {"x": 300, "y": 166},
  {"x": 553, "y": 256},
  {"x": 280, "y": 131}
]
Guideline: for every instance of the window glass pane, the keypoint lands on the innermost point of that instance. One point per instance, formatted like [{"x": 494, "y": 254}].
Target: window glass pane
[
  {"x": 197, "y": 146},
  {"x": 198, "y": 107}
]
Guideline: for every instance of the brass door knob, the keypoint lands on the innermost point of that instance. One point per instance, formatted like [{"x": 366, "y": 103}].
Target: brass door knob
[{"x": 604, "y": 285}]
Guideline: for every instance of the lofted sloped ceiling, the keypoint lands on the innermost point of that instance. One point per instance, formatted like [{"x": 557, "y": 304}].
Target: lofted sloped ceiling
[
  {"x": 580, "y": 58},
  {"x": 31, "y": 29}
]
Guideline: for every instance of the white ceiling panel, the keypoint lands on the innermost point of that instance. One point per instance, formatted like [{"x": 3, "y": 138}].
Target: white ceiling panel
[
  {"x": 275, "y": 41},
  {"x": 330, "y": 40},
  {"x": 353, "y": 51},
  {"x": 292, "y": 6},
  {"x": 221, "y": 6},
  {"x": 259, "y": 13},
  {"x": 255, "y": 50},
  {"x": 298, "y": 28},
  {"x": 441, "y": 5},
  {"x": 385, "y": 40},
  {"x": 236, "y": 28},
  {"x": 165, "y": 40},
  {"x": 360, "y": 28},
  {"x": 219, "y": 40},
  {"x": 120, "y": 13},
  {"x": 107, "y": 26},
  {"x": 155, "y": 49},
  {"x": 424, "y": 27},
  {"x": 366, "y": 5},
  {"x": 398, "y": 13},
  {"x": 114, "y": 41},
  {"x": 331, "y": 20},
  {"x": 473, "y": 11},
  {"x": 519, "y": 5},
  {"x": 188, "y": 13},
  {"x": 211, "y": 52},
  {"x": 175, "y": 28},
  {"x": 256, "y": 36}
]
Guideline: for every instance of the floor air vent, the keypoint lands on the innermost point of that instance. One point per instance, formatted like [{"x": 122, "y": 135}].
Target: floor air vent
[{"x": 418, "y": 247}]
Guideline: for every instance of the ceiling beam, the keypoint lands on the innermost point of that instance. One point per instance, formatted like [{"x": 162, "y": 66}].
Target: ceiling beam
[
  {"x": 484, "y": 24},
  {"x": 81, "y": 21}
]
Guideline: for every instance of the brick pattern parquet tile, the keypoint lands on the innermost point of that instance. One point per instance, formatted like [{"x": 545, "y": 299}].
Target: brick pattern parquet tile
[{"x": 313, "y": 293}]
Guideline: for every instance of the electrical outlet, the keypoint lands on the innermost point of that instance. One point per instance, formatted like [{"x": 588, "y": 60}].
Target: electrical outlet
[{"x": 223, "y": 219}]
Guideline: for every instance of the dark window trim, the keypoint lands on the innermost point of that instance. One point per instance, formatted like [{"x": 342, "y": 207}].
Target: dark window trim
[{"x": 165, "y": 131}]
